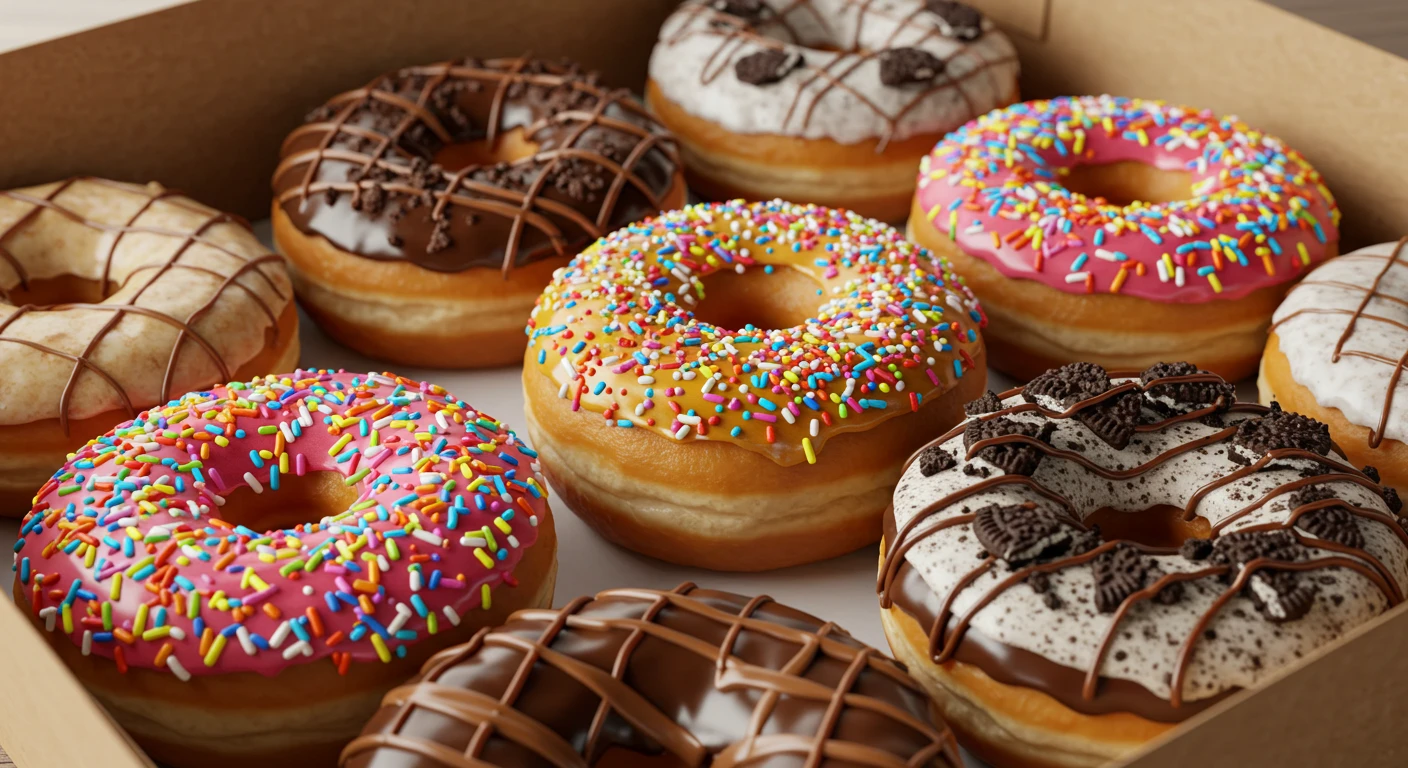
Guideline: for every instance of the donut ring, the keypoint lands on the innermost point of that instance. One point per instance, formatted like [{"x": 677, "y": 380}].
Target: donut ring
[
  {"x": 827, "y": 101},
  {"x": 430, "y": 522},
  {"x": 770, "y": 445},
  {"x": 456, "y": 189},
  {"x": 115, "y": 297},
  {"x": 699, "y": 677},
  {"x": 1032, "y": 575},
  {"x": 1236, "y": 218},
  {"x": 1336, "y": 353}
]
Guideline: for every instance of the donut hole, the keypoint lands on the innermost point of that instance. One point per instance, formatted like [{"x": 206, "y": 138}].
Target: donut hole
[
  {"x": 507, "y": 147},
  {"x": 298, "y": 501},
  {"x": 1159, "y": 526},
  {"x": 786, "y": 298},
  {"x": 1125, "y": 182},
  {"x": 60, "y": 289}
]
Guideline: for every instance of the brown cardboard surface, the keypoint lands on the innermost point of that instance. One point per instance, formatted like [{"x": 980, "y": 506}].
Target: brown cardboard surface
[{"x": 199, "y": 96}]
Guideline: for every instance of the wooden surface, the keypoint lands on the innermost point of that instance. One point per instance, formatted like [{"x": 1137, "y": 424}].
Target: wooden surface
[{"x": 1383, "y": 23}]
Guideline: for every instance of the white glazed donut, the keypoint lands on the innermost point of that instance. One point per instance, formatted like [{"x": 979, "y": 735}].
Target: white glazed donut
[
  {"x": 1337, "y": 350},
  {"x": 838, "y": 98},
  {"x": 1035, "y": 582}
]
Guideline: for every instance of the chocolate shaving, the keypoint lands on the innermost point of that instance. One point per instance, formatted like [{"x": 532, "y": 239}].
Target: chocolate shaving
[
  {"x": 1020, "y": 533},
  {"x": 899, "y": 66},
  {"x": 1124, "y": 570},
  {"x": 1279, "y": 429},
  {"x": 1068, "y": 384},
  {"x": 765, "y": 67},
  {"x": 988, "y": 403},
  {"x": 1013, "y": 458},
  {"x": 935, "y": 460},
  {"x": 1187, "y": 396},
  {"x": 959, "y": 21}
]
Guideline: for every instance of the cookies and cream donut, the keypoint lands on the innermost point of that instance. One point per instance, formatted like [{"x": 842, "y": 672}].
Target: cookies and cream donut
[
  {"x": 1091, "y": 560},
  {"x": 736, "y": 385},
  {"x": 1336, "y": 353},
  {"x": 423, "y": 213},
  {"x": 823, "y": 101},
  {"x": 239, "y": 575},
  {"x": 116, "y": 297},
  {"x": 1123, "y": 231},
  {"x": 688, "y": 677}
]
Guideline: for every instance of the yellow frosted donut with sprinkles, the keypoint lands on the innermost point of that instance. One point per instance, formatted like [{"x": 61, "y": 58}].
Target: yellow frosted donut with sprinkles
[
  {"x": 737, "y": 385},
  {"x": 240, "y": 575}
]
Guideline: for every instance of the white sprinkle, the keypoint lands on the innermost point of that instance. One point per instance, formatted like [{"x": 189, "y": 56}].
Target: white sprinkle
[
  {"x": 452, "y": 615},
  {"x": 253, "y": 482},
  {"x": 1077, "y": 277},
  {"x": 87, "y": 641},
  {"x": 682, "y": 432},
  {"x": 281, "y": 634},
  {"x": 51, "y": 616},
  {"x": 178, "y": 634},
  {"x": 301, "y": 646},
  {"x": 289, "y": 437},
  {"x": 246, "y": 643},
  {"x": 427, "y": 536},
  {"x": 645, "y": 379},
  {"x": 814, "y": 427},
  {"x": 174, "y": 664}
]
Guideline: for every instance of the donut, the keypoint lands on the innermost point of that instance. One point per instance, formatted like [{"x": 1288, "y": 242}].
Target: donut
[
  {"x": 823, "y": 101},
  {"x": 1123, "y": 231},
  {"x": 240, "y": 575},
  {"x": 1092, "y": 559},
  {"x": 1336, "y": 352},
  {"x": 766, "y": 424},
  {"x": 686, "y": 677},
  {"x": 116, "y": 297},
  {"x": 423, "y": 213}
]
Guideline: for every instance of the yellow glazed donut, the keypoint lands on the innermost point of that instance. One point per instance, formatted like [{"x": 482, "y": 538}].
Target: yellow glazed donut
[
  {"x": 736, "y": 385},
  {"x": 115, "y": 297}
]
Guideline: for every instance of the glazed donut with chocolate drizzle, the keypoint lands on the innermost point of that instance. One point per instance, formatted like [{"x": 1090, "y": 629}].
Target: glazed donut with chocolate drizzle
[
  {"x": 823, "y": 101},
  {"x": 116, "y": 297},
  {"x": 1337, "y": 352},
  {"x": 1092, "y": 559},
  {"x": 423, "y": 213},
  {"x": 689, "y": 677}
]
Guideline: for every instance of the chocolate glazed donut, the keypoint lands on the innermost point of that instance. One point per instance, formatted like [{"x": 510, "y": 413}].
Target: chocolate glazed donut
[
  {"x": 688, "y": 677},
  {"x": 424, "y": 212}
]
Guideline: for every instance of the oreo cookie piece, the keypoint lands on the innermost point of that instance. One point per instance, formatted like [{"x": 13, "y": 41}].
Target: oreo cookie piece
[
  {"x": 751, "y": 11},
  {"x": 1086, "y": 540},
  {"x": 1020, "y": 533},
  {"x": 1124, "y": 570},
  {"x": 988, "y": 403},
  {"x": 958, "y": 21},
  {"x": 1014, "y": 458},
  {"x": 1278, "y": 595},
  {"x": 1395, "y": 504},
  {"x": 1196, "y": 549},
  {"x": 1334, "y": 523},
  {"x": 1060, "y": 388},
  {"x": 934, "y": 460},
  {"x": 1281, "y": 595},
  {"x": 1278, "y": 429},
  {"x": 1174, "y": 399},
  {"x": 767, "y": 66},
  {"x": 1113, "y": 420},
  {"x": 899, "y": 66},
  {"x": 1372, "y": 473}
]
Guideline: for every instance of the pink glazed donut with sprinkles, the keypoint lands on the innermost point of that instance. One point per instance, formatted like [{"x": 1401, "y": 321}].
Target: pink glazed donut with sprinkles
[
  {"x": 241, "y": 574},
  {"x": 1123, "y": 231}
]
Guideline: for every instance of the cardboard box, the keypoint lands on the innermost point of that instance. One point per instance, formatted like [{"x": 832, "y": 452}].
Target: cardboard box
[{"x": 200, "y": 95}]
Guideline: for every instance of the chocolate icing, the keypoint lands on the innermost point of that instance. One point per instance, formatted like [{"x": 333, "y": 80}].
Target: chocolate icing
[
  {"x": 1085, "y": 691},
  {"x": 365, "y": 171},
  {"x": 691, "y": 676}
]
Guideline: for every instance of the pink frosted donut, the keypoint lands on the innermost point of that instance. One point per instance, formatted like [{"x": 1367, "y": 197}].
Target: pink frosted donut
[{"x": 301, "y": 541}]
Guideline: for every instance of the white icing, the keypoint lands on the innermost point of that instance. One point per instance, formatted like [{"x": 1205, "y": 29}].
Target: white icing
[
  {"x": 1357, "y": 386},
  {"x": 693, "y": 65},
  {"x": 1244, "y": 648}
]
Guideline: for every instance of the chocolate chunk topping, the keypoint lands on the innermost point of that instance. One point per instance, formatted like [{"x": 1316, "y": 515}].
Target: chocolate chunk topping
[
  {"x": 961, "y": 22},
  {"x": 1124, "y": 570},
  {"x": 1186, "y": 396},
  {"x": 988, "y": 403},
  {"x": 1372, "y": 473},
  {"x": 1014, "y": 458},
  {"x": 1020, "y": 533},
  {"x": 751, "y": 11},
  {"x": 1280, "y": 429},
  {"x": 1068, "y": 384},
  {"x": 1279, "y": 595},
  {"x": 1113, "y": 420},
  {"x": 908, "y": 65},
  {"x": 766, "y": 67},
  {"x": 935, "y": 460},
  {"x": 1196, "y": 549}
]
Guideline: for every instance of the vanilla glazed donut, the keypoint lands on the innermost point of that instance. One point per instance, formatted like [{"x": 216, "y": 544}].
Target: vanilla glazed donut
[
  {"x": 689, "y": 677},
  {"x": 424, "y": 213},
  {"x": 240, "y": 575},
  {"x": 1336, "y": 353},
  {"x": 1039, "y": 206},
  {"x": 736, "y": 385},
  {"x": 1093, "y": 559},
  {"x": 115, "y": 297},
  {"x": 823, "y": 101}
]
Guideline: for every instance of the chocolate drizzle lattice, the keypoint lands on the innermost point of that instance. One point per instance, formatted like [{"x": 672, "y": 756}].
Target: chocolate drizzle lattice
[
  {"x": 706, "y": 678},
  {"x": 267, "y": 286},
  {"x": 405, "y": 168}
]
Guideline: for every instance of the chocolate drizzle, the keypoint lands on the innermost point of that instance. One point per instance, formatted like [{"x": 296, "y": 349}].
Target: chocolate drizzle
[
  {"x": 1278, "y": 584},
  {"x": 697, "y": 676},
  {"x": 379, "y": 171},
  {"x": 116, "y": 231}
]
